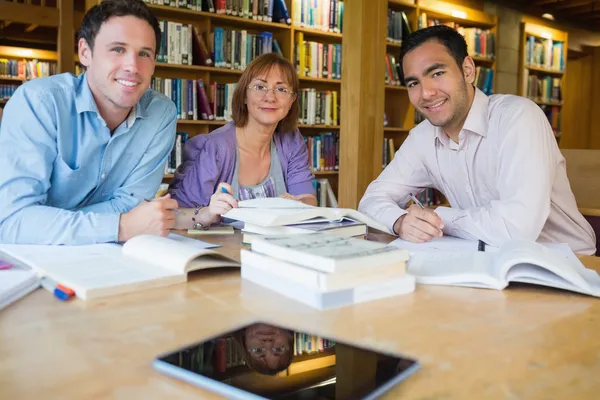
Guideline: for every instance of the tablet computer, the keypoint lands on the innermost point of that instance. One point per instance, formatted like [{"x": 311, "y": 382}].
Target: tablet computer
[{"x": 265, "y": 361}]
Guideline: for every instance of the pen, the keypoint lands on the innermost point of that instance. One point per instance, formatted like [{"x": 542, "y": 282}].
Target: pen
[
  {"x": 481, "y": 246},
  {"x": 416, "y": 201},
  {"x": 171, "y": 209},
  {"x": 60, "y": 292}
]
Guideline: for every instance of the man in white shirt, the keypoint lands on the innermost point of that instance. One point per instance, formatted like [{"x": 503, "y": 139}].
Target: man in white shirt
[{"x": 494, "y": 158}]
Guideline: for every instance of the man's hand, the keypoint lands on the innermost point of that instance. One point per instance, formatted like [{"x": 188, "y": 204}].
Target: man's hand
[
  {"x": 418, "y": 225},
  {"x": 155, "y": 217}
]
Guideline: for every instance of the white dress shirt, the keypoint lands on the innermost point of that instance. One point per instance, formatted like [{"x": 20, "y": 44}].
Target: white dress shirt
[{"x": 505, "y": 179}]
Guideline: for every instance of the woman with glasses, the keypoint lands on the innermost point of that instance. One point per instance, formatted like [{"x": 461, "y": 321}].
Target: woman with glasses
[
  {"x": 266, "y": 349},
  {"x": 259, "y": 154}
]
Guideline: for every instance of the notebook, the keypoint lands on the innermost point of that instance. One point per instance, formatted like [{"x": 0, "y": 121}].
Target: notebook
[
  {"x": 277, "y": 212},
  {"x": 515, "y": 261},
  {"x": 16, "y": 283},
  {"x": 100, "y": 270}
]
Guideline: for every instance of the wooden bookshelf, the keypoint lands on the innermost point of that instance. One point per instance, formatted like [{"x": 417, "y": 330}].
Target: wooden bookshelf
[
  {"x": 542, "y": 79},
  {"x": 19, "y": 54}
]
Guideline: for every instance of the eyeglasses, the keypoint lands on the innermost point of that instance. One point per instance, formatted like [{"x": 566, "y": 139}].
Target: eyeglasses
[
  {"x": 276, "y": 351},
  {"x": 261, "y": 91}
]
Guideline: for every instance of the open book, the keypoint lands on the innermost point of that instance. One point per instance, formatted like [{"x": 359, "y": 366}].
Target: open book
[
  {"x": 101, "y": 270},
  {"x": 515, "y": 261},
  {"x": 279, "y": 212}
]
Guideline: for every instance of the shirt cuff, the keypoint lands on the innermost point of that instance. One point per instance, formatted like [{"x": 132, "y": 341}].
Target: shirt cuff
[
  {"x": 449, "y": 216},
  {"x": 106, "y": 227},
  {"x": 389, "y": 218}
]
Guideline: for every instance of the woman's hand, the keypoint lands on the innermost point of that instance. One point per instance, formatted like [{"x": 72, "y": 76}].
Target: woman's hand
[
  {"x": 309, "y": 199},
  {"x": 220, "y": 202}
]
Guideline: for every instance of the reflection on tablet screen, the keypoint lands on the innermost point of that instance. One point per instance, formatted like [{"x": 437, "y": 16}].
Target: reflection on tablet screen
[{"x": 266, "y": 361}]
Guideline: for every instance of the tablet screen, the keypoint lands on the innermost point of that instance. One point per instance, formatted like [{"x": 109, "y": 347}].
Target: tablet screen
[{"x": 266, "y": 361}]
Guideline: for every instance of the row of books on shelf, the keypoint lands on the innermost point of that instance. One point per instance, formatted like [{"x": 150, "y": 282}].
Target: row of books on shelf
[
  {"x": 480, "y": 42},
  {"x": 196, "y": 100},
  {"x": 484, "y": 79},
  {"x": 310, "y": 344},
  {"x": 317, "y": 60},
  {"x": 210, "y": 358},
  {"x": 541, "y": 89},
  {"x": 324, "y": 191},
  {"x": 324, "y": 15},
  {"x": 260, "y": 10},
  {"x": 323, "y": 151},
  {"x": 318, "y": 107},
  {"x": 544, "y": 53},
  {"x": 192, "y": 100},
  {"x": 392, "y": 70},
  {"x": 176, "y": 156},
  {"x": 388, "y": 151},
  {"x": 7, "y": 90},
  {"x": 236, "y": 49},
  {"x": 398, "y": 26},
  {"x": 26, "y": 69},
  {"x": 430, "y": 197},
  {"x": 553, "y": 113}
]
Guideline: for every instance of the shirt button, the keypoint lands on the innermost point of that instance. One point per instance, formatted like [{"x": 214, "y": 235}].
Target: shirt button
[{"x": 102, "y": 176}]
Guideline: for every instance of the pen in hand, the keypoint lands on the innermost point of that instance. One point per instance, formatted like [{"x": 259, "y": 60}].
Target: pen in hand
[
  {"x": 176, "y": 211},
  {"x": 416, "y": 201}
]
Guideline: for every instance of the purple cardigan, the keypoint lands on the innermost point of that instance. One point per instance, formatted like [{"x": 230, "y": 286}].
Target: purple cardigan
[{"x": 210, "y": 159}]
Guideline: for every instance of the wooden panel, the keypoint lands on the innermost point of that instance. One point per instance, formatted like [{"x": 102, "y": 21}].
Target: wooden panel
[
  {"x": 22, "y": 52},
  {"x": 362, "y": 100},
  {"x": 66, "y": 36},
  {"x": 583, "y": 170},
  {"x": 15, "y": 12},
  {"x": 458, "y": 13},
  {"x": 595, "y": 102},
  {"x": 576, "y": 112}
]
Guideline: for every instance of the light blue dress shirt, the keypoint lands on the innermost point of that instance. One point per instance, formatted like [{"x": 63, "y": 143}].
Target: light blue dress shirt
[{"x": 64, "y": 179}]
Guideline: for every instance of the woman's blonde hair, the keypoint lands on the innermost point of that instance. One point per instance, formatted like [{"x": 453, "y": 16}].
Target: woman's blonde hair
[{"x": 259, "y": 66}]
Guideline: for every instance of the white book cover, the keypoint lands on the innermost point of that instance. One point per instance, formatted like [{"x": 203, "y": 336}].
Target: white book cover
[
  {"x": 325, "y": 300},
  {"x": 317, "y": 280},
  {"x": 329, "y": 253}
]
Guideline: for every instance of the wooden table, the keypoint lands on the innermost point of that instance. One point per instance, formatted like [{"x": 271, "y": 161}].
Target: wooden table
[{"x": 524, "y": 342}]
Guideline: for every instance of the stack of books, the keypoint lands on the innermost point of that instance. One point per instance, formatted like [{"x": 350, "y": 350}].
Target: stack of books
[
  {"x": 327, "y": 271},
  {"x": 347, "y": 227},
  {"x": 277, "y": 216}
]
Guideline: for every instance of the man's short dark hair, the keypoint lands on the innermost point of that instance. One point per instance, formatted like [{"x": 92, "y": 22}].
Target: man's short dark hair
[
  {"x": 100, "y": 13},
  {"x": 453, "y": 41}
]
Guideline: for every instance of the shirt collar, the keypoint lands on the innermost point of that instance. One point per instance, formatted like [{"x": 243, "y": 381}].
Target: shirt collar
[
  {"x": 84, "y": 102},
  {"x": 476, "y": 122}
]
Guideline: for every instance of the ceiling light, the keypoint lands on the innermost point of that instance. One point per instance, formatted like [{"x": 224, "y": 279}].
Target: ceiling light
[{"x": 548, "y": 16}]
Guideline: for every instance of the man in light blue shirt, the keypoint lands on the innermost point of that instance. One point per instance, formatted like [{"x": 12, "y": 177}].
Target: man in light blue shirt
[{"x": 79, "y": 155}]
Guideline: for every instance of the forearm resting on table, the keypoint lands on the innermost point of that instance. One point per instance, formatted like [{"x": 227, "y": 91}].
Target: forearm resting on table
[{"x": 184, "y": 219}]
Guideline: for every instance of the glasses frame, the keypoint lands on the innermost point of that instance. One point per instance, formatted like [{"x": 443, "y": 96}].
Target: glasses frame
[{"x": 289, "y": 93}]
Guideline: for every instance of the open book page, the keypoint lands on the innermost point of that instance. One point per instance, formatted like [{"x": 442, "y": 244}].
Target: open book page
[
  {"x": 472, "y": 269},
  {"x": 272, "y": 202},
  {"x": 175, "y": 255},
  {"x": 87, "y": 268},
  {"x": 444, "y": 243},
  {"x": 287, "y": 215},
  {"x": 530, "y": 262}
]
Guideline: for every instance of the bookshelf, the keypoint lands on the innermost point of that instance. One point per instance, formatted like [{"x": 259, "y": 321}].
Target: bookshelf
[
  {"x": 543, "y": 69},
  {"x": 19, "y": 64},
  {"x": 288, "y": 37}
]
